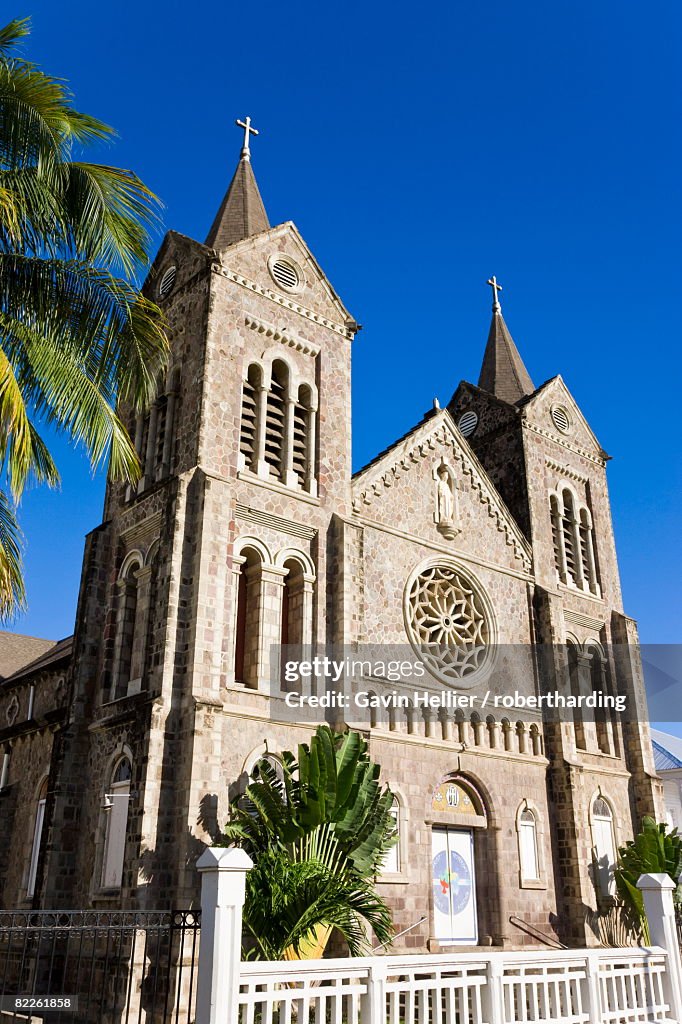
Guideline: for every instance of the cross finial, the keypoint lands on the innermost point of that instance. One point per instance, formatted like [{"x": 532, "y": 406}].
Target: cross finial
[
  {"x": 492, "y": 281},
  {"x": 248, "y": 130}
]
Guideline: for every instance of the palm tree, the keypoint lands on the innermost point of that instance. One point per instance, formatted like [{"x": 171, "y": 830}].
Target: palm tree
[
  {"x": 292, "y": 906},
  {"x": 318, "y": 830},
  {"x": 76, "y": 336}
]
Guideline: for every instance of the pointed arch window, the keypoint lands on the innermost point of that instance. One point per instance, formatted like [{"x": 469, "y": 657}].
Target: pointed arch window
[
  {"x": 115, "y": 808},
  {"x": 394, "y": 861},
  {"x": 38, "y": 824}
]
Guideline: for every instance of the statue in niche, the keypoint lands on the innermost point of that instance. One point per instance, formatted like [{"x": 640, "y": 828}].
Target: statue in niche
[{"x": 445, "y": 515}]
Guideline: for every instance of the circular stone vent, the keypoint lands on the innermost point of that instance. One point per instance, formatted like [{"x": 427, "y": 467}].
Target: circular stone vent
[
  {"x": 167, "y": 281},
  {"x": 449, "y": 623},
  {"x": 285, "y": 274},
  {"x": 468, "y": 423},
  {"x": 561, "y": 419}
]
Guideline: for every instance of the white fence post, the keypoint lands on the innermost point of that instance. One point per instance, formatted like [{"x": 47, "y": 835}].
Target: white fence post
[
  {"x": 373, "y": 1008},
  {"x": 657, "y": 891},
  {"x": 493, "y": 993},
  {"x": 593, "y": 987},
  {"x": 223, "y": 884}
]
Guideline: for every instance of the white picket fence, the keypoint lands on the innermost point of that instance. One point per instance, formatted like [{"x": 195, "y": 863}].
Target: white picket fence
[
  {"x": 586, "y": 986},
  {"x": 568, "y": 988}
]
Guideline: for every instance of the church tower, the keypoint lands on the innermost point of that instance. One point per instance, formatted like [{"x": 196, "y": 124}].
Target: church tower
[
  {"x": 549, "y": 467},
  {"x": 225, "y": 546}
]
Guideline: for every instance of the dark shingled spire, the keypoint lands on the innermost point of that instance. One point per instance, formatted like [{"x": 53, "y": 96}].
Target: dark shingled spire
[
  {"x": 241, "y": 213},
  {"x": 503, "y": 373}
]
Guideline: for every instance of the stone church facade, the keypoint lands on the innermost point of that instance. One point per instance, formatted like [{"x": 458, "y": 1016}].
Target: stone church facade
[{"x": 122, "y": 746}]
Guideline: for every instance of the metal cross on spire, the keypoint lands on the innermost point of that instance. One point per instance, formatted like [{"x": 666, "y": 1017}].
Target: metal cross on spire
[
  {"x": 492, "y": 281},
  {"x": 248, "y": 130}
]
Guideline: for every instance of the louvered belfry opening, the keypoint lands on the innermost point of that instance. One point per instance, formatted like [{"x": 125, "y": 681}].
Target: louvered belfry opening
[
  {"x": 274, "y": 419},
  {"x": 300, "y": 454},
  {"x": 584, "y": 531},
  {"x": 569, "y": 542},
  {"x": 247, "y": 436},
  {"x": 556, "y": 526},
  {"x": 160, "y": 439}
]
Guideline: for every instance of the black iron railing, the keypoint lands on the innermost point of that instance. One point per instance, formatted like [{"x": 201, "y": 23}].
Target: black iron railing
[{"x": 118, "y": 967}]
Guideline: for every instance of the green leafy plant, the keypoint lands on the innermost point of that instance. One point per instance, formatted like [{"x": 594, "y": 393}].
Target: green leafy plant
[
  {"x": 655, "y": 850},
  {"x": 76, "y": 335},
  {"x": 318, "y": 831}
]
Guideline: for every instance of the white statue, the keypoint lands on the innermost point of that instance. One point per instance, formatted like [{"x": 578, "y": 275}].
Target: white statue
[{"x": 446, "y": 502}]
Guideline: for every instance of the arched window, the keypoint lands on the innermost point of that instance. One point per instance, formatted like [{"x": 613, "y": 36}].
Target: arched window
[
  {"x": 556, "y": 533},
  {"x": 275, "y": 420},
  {"x": 573, "y": 541},
  {"x": 248, "y": 616},
  {"x": 528, "y": 845},
  {"x": 587, "y": 555},
  {"x": 302, "y": 456},
  {"x": 154, "y": 435},
  {"x": 277, "y": 427},
  {"x": 115, "y": 807},
  {"x": 293, "y": 625},
  {"x": 127, "y": 621},
  {"x": 37, "y": 837},
  {"x": 4, "y": 767},
  {"x": 604, "y": 845},
  {"x": 392, "y": 864},
  {"x": 568, "y": 531},
  {"x": 599, "y": 682},
  {"x": 249, "y": 420},
  {"x": 576, "y": 689}
]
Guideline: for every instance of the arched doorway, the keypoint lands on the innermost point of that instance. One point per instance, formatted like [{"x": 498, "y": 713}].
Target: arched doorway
[{"x": 457, "y": 812}]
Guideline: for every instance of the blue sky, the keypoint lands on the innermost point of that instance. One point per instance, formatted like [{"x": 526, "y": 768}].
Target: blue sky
[{"x": 420, "y": 150}]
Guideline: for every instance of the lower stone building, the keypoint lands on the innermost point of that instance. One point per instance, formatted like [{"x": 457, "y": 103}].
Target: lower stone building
[{"x": 480, "y": 542}]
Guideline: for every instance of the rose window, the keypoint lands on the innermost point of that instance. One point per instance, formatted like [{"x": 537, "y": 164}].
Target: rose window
[{"x": 448, "y": 623}]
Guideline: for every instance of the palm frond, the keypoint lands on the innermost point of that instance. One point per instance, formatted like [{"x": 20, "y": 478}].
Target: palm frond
[
  {"x": 109, "y": 213},
  {"x": 38, "y": 124},
  {"x": 12, "y": 591},
  {"x": 22, "y": 451},
  {"x": 10, "y": 35},
  {"x": 92, "y": 314},
  {"x": 286, "y": 901}
]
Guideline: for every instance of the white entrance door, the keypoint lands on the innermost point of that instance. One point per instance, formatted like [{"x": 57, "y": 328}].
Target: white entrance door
[{"x": 454, "y": 886}]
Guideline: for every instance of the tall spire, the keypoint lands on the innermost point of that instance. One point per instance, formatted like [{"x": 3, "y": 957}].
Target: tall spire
[
  {"x": 241, "y": 212},
  {"x": 503, "y": 373}
]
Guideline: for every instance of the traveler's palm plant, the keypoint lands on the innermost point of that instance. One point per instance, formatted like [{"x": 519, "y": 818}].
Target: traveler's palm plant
[
  {"x": 76, "y": 336},
  {"x": 654, "y": 850},
  {"x": 318, "y": 833}
]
